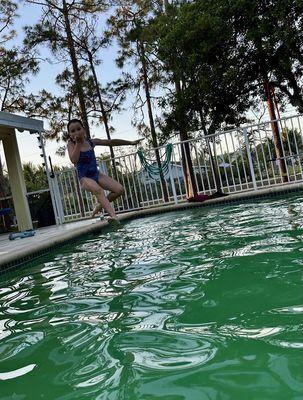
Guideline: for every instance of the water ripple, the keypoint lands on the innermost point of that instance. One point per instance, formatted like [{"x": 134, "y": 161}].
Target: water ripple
[{"x": 200, "y": 304}]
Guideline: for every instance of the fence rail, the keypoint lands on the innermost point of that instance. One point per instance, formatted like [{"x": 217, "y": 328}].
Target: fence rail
[{"x": 241, "y": 159}]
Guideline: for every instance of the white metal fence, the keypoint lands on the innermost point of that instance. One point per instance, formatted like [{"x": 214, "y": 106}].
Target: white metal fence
[{"x": 241, "y": 159}]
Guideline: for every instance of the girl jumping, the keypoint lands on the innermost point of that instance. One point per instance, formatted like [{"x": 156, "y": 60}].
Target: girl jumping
[{"x": 82, "y": 155}]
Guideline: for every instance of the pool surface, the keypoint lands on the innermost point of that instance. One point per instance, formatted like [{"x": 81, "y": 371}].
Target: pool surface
[{"x": 202, "y": 304}]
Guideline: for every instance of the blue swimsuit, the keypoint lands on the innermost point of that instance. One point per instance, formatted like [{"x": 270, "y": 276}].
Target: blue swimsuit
[{"x": 87, "y": 165}]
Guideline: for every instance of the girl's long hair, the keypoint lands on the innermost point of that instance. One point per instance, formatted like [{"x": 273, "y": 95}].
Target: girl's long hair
[{"x": 72, "y": 121}]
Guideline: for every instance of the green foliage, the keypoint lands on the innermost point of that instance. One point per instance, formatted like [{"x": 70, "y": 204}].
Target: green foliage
[
  {"x": 60, "y": 26},
  {"x": 129, "y": 27},
  {"x": 8, "y": 11},
  {"x": 271, "y": 40},
  {"x": 34, "y": 176},
  {"x": 198, "y": 52},
  {"x": 16, "y": 66},
  {"x": 221, "y": 53},
  {"x": 70, "y": 32}
]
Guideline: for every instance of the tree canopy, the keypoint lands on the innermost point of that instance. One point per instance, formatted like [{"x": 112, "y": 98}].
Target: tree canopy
[
  {"x": 203, "y": 64},
  {"x": 222, "y": 53}
]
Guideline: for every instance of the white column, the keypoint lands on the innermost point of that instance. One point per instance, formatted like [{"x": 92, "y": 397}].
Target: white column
[{"x": 16, "y": 179}]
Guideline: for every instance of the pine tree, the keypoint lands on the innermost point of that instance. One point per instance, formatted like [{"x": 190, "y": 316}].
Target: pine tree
[
  {"x": 59, "y": 22},
  {"x": 102, "y": 102},
  {"x": 127, "y": 26},
  {"x": 8, "y": 11}
]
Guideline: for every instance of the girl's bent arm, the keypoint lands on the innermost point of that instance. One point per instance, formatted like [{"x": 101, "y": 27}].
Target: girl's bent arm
[
  {"x": 74, "y": 151},
  {"x": 114, "y": 142}
]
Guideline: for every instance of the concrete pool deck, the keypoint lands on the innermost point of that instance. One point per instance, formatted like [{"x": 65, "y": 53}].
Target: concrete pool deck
[{"x": 20, "y": 251}]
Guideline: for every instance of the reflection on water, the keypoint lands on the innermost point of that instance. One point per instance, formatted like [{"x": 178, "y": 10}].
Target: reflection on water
[{"x": 200, "y": 304}]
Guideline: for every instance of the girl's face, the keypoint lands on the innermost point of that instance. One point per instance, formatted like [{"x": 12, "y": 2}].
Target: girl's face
[{"x": 76, "y": 130}]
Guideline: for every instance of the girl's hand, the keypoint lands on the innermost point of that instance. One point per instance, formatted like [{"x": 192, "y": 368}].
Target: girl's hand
[{"x": 79, "y": 138}]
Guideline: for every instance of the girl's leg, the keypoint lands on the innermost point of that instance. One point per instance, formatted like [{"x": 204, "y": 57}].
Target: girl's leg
[
  {"x": 115, "y": 188},
  {"x": 91, "y": 186}
]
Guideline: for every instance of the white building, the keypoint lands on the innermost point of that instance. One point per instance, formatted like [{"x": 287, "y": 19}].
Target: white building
[{"x": 176, "y": 172}]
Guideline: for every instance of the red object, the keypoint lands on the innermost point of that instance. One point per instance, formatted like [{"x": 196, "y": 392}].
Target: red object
[{"x": 198, "y": 198}]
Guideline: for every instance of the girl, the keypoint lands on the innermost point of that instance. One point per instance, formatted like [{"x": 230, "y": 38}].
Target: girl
[{"x": 81, "y": 153}]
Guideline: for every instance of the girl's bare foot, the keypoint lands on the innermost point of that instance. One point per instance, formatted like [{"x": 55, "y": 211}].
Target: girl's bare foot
[{"x": 97, "y": 209}]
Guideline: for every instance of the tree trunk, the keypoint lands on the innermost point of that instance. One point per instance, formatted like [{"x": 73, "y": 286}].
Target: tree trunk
[
  {"x": 151, "y": 120},
  {"x": 72, "y": 52},
  {"x": 214, "y": 164},
  {"x": 187, "y": 163},
  {"x": 275, "y": 131},
  {"x": 103, "y": 112}
]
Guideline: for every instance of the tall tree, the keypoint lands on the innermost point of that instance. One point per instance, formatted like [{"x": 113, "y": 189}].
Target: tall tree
[
  {"x": 227, "y": 53},
  {"x": 127, "y": 26},
  {"x": 102, "y": 101},
  {"x": 214, "y": 92},
  {"x": 59, "y": 21},
  {"x": 89, "y": 45},
  {"x": 16, "y": 66},
  {"x": 223, "y": 54},
  {"x": 272, "y": 34},
  {"x": 192, "y": 52}
]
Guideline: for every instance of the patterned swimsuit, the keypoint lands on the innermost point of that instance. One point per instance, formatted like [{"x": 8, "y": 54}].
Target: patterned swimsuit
[{"x": 87, "y": 165}]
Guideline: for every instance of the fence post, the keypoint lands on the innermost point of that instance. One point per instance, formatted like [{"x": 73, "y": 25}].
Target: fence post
[
  {"x": 250, "y": 161},
  {"x": 57, "y": 197},
  {"x": 173, "y": 187},
  {"x": 49, "y": 180}
]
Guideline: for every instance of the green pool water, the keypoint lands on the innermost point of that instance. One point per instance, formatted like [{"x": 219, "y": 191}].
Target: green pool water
[{"x": 197, "y": 304}]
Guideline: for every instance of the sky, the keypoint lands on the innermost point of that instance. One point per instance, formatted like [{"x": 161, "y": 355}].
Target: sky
[
  {"x": 29, "y": 151},
  {"x": 28, "y": 144}
]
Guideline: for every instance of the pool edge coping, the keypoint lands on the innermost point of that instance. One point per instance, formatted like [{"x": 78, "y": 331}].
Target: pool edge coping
[{"x": 24, "y": 256}]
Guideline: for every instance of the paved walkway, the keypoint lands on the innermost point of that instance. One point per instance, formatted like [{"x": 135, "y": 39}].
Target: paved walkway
[{"x": 44, "y": 237}]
